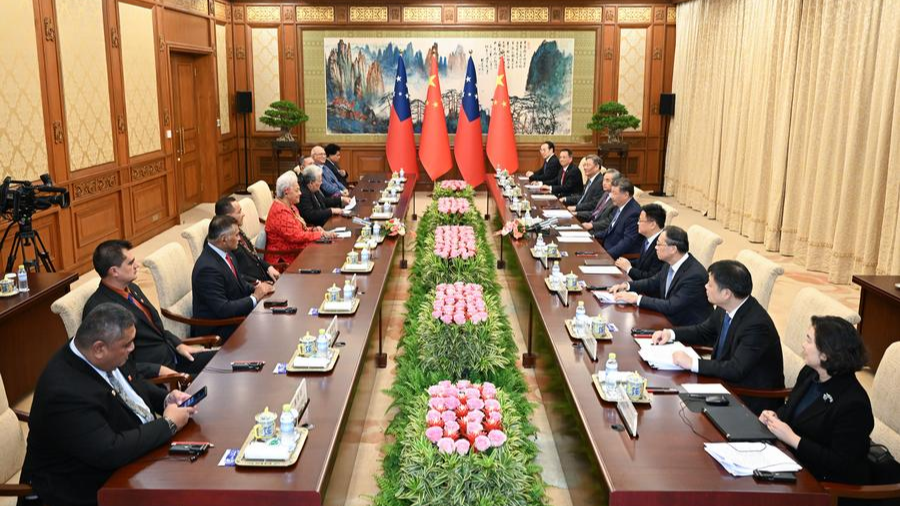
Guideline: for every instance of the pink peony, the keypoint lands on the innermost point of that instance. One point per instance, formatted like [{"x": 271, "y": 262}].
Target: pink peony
[
  {"x": 434, "y": 434},
  {"x": 462, "y": 446},
  {"x": 473, "y": 393},
  {"x": 475, "y": 416},
  {"x": 446, "y": 318},
  {"x": 491, "y": 405},
  {"x": 436, "y": 403},
  {"x": 475, "y": 404},
  {"x": 433, "y": 417},
  {"x": 445, "y": 445},
  {"x": 451, "y": 402},
  {"x": 482, "y": 443},
  {"x": 448, "y": 416},
  {"x": 463, "y": 384},
  {"x": 496, "y": 438}
]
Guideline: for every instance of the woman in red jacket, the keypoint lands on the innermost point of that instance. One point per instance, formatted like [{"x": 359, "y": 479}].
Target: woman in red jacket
[{"x": 286, "y": 232}]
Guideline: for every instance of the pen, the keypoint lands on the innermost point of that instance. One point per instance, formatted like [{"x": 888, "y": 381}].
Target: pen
[{"x": 662, "y": 390}]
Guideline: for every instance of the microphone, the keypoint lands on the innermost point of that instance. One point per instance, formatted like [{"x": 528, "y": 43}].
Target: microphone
[
  {"x": 361, "y": 221},
  {"x": 543, "y": 225}
]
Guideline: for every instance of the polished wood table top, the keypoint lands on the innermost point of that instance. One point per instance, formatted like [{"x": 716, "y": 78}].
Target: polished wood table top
[
  {"x": 666, "y": 464},
  {"x": 39, "y": 283},
  {"x": 226, "y": 416}
]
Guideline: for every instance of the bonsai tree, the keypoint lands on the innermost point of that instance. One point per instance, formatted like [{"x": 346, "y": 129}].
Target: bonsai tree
[
  {"x": 613, "y": 117},
  {"x": 285, "y": 115}
]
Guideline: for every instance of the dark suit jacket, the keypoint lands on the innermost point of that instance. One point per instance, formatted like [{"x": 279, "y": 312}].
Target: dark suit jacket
[
  {"x": 572, "y": 184},
  {"x": 606, "y": 209},
  {"x": 153, "y": 344},
  {"x": 80, "y": 432},
  {"x": 648, "y": 264},
  {"x": 751, "y": 356},
  {"x": 315, "y": 208},
  {"x": 622, "y": 237},
  {"x": 336, "y": 170},
  {"x": 549, "y": 171},
  {"x": 834, "y": 433},
  {"x": 687, "y": 303},
  {"x": 218, "y": 293},
  {"x": 591, "y": 194},
  {"x": 251, "y": 267}
]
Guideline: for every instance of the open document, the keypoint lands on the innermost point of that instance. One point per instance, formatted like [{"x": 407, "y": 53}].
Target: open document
[
  {"x": 741, "y": 459},
  {"x": 659, "y": 356}
]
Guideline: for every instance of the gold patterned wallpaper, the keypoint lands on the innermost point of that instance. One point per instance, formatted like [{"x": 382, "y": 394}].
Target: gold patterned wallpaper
[
  {"x": 222, "y": 78},
  {"x": 315, "y": 14},
  {"x": 23, "y": 147},
  {"x": 266, "y": 73},
  {"x": 85, "y": 82},
  {"x": 632, "y": 56},
  {"x": 422, "y": 14},
  {"x": 583, "y": 15},
  {"x": 139, "y": 72},
  {"x": 263, "y": 14},
  {"x": 634, "y": 14},
  {"x": 529, "y": 15},
  {"x": 476, "y": 14},
  {"x": 198, "y": 6},
  {"x": 368, "y": 14}
]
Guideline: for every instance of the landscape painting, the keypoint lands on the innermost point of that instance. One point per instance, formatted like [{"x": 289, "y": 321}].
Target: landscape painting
[{"x": 360, "y": 73}]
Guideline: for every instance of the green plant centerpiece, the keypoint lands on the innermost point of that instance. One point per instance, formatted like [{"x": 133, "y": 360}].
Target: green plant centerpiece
[
  {"x": 614, "y": 118},
  {"x": 285, "y": 115}
]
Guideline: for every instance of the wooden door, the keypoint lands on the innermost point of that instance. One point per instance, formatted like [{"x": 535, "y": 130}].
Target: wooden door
[{"x": 188, "y": 162}]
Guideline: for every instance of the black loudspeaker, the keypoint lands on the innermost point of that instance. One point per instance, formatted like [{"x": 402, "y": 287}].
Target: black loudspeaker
[
  {"x": 244, "y": 102},
  {"x": 667, "y": 104}
]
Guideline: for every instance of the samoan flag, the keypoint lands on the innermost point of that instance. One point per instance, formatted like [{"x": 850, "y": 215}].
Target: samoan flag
[
  {"x": 401, "y": 144},
  {"x": 469, "y": 148}
]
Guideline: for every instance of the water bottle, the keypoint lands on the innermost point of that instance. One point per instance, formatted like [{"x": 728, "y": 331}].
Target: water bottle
[
  {"x": 23, "y": 279},
  {"x": 376, "y": 229},
  {"x": 365, "y": 256},
  {"x": 322, "y": 343},
  {"x": 612, "y": 371},
  {"x": 287, "y": 425},
  {"x": 579, "y": 318},
  {"x": 348, "y": 290}
]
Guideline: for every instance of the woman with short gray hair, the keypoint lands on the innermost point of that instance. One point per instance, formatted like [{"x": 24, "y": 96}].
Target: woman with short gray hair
[{"x": 286, "y": 232}]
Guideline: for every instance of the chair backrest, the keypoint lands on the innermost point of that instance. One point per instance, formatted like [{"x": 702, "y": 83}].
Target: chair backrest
[
  {"x": 886, "y": 400},
  {"x": 671, "y": 212},
  {"x": 171, "y": 268},
  {"x": 12, "y": 440},
  {"x": 703, "y": 242},
  {"x": 70, "y": 306},
  {"x": 808, "y": 302},
  {"x": 195, "y": 235},
  {"x": 764, "y": 273},
  {"x": 252, "y": 226},
  {"x": 262, "y": 197}
]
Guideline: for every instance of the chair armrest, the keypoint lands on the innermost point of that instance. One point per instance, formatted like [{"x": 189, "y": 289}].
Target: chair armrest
[
  {"x": 175, "y": 381},
  {"x": 862, "y": 491},
  {"x": 777, "y": 393},
  {"x": 202, "y": 322},
  {"x": 208, "y": 341},
  {"x": 15, "y": 490},
  {"x": 21, "y": 415}
]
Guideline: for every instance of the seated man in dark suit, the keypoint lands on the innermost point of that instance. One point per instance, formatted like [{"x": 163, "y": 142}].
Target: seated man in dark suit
[
  {"x": 622, "y": 237},
  {"x": 332, "y": 158},
  {"x": 587, "y": 199},
  {"x": 570, "y": 182},
  {"x": 93, "y": 414},
  {"x": 600, "y": 216},
  {"x": 156, "y": 350},
  {"x": 315, "y": 208},
  {"x": 218, "y": 289},
  {"x": 650, "y": 225},
  {"x": 746, "y": 346},
  {"x": 249, "y": 264},
  {"x": 550, "y": 169},
  {"x": 678, "y": 290}
]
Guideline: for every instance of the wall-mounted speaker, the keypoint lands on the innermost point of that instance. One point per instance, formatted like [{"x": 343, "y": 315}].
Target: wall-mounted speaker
[
  {"x": 244, "y": 102},
  {"x": 667, "y": 104}
]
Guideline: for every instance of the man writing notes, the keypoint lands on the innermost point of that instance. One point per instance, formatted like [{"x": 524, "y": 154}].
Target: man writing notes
[
  {"x": 218, "y": 289},
  {"x": 550, "y": 169},
  {"x": 677, "y": 291},
  {"x": 650, "y": 225},
  {"x": 746, "y": 347},
  {"x": 93, "y": 414},
  {"x": 621, "y": 237},
  {"x": 587, "y": 199}
]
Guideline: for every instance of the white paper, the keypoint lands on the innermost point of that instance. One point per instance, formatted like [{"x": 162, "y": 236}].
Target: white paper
[
  {"x": 605, "y": 297},
  {"x": 741, "y": 459},
  {"x": 351, "y": 205},
  {"x": 312, "y": 362},
  {"x": 599, "y": 269},
  {"x": 523, "y": 178},
  {"x": 556, "y": 213},
  {"x": 534, "y": 186},
  {"x": 343, "y": 235},
  {"x": 264, "y": 451},
  {"x": 338, "y": 229},
  {"x": 574, "y": 233},
  {"x": 544, "y": 197},
  {"x": 343, "y": 305},
  {"x": 705, "y": 388},
  {"x": 562, "y": 228},
  {"x": 660, "y": 356},
  {"x": 564, "y": 240}
]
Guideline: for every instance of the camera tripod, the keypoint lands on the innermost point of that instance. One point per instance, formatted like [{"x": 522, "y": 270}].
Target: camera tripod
[{"x": 27, "y": 236}]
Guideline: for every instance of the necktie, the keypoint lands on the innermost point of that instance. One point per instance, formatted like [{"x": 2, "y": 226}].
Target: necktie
[
  {"x": 142, "y": 412},
  {"x": 599, "y": 207},
  {"x": 615, "y": 217},
  {"x": 562, "y": 179},
  {"x": 669, "y": 278},
  {"x": 585, "y": 192},
  {"x": 720, "y": 344},
  {"x": 646, "y": 245},
  {"x": 231, "y": 264}
]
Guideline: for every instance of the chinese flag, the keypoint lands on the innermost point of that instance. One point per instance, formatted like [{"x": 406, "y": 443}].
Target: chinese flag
[
  {"x": 434, "y": 144},
  {"x": 401, "y": 144},
  {"x": 469, "y": 149},
  {"x": 501, "y": 139}
]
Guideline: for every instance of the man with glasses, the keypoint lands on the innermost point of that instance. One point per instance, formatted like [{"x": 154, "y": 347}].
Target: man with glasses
[
  {"x": 331, "y": 186},
  {"x": 678, "y": 290}
]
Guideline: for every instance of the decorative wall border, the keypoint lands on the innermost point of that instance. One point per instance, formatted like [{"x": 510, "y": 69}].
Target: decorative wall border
[
  {"x": 583, "y": 15},
  {"x": 529, "y": 15},
  {"x": 427, "y": 14},
  {"x": 263, "y": 14},
  {"x": 315, "y": 14},
  {"x": 467, "y": 14},
  {"x": 635, "y": 14},
  {"x": 360, "y": 14},
  {"x": 96, "y": 185},
  {"x": 148, "y": 170}
]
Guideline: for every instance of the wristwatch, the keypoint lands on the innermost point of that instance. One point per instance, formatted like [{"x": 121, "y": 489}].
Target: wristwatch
[{"x": 172, "y": 426}]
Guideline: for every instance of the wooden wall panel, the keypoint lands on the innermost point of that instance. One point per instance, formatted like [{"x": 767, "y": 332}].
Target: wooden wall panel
[
  {"x": 95, "y": 221},
  {"x": 149, "y": 202},
  {"x": 186, "y": 30}
]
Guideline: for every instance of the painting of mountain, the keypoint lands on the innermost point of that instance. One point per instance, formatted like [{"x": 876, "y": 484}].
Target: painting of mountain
[{"x": 360, "y": 73}]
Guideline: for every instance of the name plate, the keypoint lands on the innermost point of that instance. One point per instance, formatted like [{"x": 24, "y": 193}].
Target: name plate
[
  {"x": 590, "y": 344},
  {"x": 300, "y": 399},
  {"x": 626, "y": 410}
]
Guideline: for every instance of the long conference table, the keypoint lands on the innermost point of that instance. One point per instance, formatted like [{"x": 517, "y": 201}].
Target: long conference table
[
  {"x": 665, "y": 464},
  {"x": 338, "y": 399}
]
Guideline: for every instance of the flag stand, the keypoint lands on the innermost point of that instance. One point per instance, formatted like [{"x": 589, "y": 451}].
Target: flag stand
[
  {"x": 487, "y": 205},
  {"x": 414, "y": 215},
  {"x": 501, "y": 264}
]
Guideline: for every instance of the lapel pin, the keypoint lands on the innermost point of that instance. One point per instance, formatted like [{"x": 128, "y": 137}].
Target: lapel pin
[{"x": 827, "y": 398}]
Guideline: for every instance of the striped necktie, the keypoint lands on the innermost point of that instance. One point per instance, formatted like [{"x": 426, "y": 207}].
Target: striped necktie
[{"x": 142, "y": 412}]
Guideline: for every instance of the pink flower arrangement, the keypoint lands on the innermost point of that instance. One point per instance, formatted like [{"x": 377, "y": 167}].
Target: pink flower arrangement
[
  {"x": 453, "y": 205},
  {"x": 463, "y": 419},
  {"x": 458, "y": 303},
  {"x": 395, "y": 227},
  {"x": 514, "y": 227},
  {"x": 454, "y": 241},
  {"x": 453, "y": 185}
]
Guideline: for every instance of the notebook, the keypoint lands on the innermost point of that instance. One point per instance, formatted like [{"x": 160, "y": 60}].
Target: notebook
[{"x": 737, "y": 423}]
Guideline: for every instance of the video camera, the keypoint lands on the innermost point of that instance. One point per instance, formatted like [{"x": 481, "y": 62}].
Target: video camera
[{"x": 19, "y": 200}]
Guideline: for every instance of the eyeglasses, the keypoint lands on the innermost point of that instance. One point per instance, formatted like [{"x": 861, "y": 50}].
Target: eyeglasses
[{"x": 660, "y": 244}]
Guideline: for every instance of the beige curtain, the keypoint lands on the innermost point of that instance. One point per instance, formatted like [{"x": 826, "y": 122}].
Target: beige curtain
[{"x": 788, "y": 127}]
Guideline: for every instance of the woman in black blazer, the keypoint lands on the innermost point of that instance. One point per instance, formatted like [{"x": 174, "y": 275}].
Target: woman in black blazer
[{"x": 828, "y": 417}]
